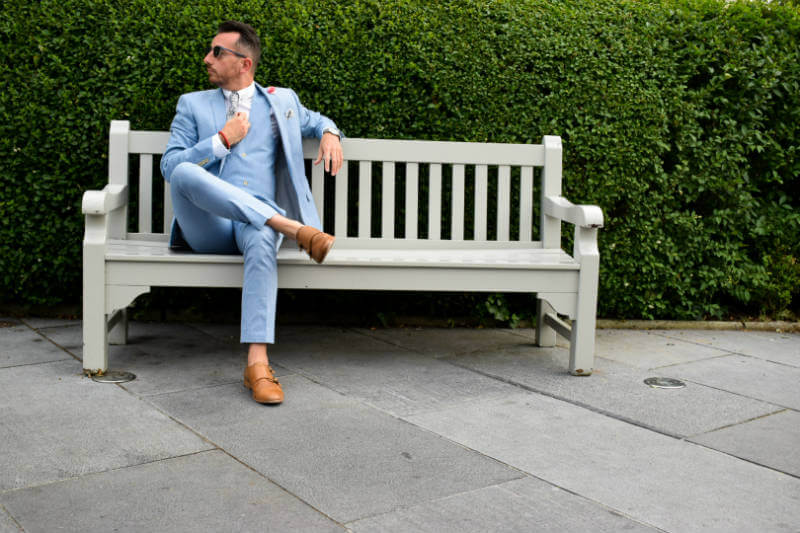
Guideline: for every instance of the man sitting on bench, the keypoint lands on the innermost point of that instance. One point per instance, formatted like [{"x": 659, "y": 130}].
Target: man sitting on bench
[{"x": 235, "y": 166}]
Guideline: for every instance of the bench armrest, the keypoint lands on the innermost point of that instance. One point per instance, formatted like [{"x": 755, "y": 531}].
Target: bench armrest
[
  {"x": 112, "y": 197},
  {"x": 587, "y": 216}
]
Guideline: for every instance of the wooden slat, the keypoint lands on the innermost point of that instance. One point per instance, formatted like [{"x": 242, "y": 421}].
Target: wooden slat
[
  {"x": 435, "y": 202},
  {"x": 412, "y": 200},
  {"x": 457, "y": 215},
  {"x": 318, "y": 190},
  {"x": 503, "y": 202},
  {"x": 526, "y": 204},
  {"x": 481, "y": 194},
  {"x": 145, "y": 193},
  {"x": 167, "y": 208},
  {"x": 364, "y": 198},
  {"x": 387, "y": 207},
  {"x": 148, "y": 142},
  {"x": 340, "y": 222},
  {"x": 154, "y": 142},
  {"x": 435, "y": 152}
]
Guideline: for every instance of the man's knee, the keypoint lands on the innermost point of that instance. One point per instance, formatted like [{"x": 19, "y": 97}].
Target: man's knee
[
  {"x": 185, "y": 175},
  {"x": 260, "y": 243}
]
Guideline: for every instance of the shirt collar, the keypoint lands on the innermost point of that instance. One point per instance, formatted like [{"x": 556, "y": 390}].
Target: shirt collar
[{"x": 247, "y": 92}]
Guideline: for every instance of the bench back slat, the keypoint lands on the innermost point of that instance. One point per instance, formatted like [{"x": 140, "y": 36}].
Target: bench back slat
[
  {"x": 503, "y": 202},
  {"x": 435, "y": 203},
  {"x": 412, "y": 200},
  {"x": 388, "y": 203},
  {"x": 145, "y": 193},
  {"x": 481, "y": 201},
  {"x": 526, "y": 204},
  {"x": 340, "y": 209},
  {"x": 167, "y": 208},
  {"x": 414, "y": 176},
  {"x": 457, "y": 212},
  {"x": 364, "y": 198}
]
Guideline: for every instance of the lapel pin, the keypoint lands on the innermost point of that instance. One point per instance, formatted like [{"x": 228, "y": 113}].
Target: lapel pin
[
  {"x": 290, "y": 113},
  {"x": 270, "y": 89}
]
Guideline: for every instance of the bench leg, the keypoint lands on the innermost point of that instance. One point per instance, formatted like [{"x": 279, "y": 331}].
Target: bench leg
[
  {"x": 545, "y": 335},
  {"x": 95, "y": 339},
  {"x": 581, "y": 346},
  {"x": 119, "y": 331}
]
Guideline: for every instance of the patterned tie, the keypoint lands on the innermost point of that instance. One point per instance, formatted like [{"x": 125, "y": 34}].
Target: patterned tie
[{"x": 233, "y": 104}]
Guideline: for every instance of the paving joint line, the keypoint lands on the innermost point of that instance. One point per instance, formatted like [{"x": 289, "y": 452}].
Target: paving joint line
[
  {"x": 781, "y": 410},
  {"x": 97, "y": 472},
  {"x": 54, "y": 343},
  {"x": 9, "y": 515}
]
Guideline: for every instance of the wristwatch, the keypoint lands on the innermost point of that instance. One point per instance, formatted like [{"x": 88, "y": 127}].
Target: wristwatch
[{"x": 332, "y": 130}]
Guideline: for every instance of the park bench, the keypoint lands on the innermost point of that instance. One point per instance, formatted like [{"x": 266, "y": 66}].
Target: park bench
[{"x": 407, "y": 215}]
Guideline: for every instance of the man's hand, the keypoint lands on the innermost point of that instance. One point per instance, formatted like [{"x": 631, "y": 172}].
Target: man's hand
[
  {"x": 236, "y": 128},
  {"x": 330, "y": 150}
]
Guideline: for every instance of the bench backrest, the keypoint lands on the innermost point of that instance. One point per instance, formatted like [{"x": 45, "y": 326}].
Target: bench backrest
[{"x": 392, "y": 189}]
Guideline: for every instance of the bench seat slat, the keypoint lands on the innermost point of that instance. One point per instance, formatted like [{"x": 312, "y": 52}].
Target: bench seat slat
[{"x": 517, "y": 258}]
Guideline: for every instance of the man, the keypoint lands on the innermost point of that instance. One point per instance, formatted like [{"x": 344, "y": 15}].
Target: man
[{"x": 234, "y": 162}]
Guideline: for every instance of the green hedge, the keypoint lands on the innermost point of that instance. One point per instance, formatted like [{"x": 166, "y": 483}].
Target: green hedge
[{"x": 679, "y": 118}]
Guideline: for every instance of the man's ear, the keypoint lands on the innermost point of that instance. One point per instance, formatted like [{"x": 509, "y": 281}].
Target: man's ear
[{"x": 247, "y": 65}]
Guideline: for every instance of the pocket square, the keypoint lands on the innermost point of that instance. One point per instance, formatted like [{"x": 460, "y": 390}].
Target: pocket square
[{"x": 290, "y": 113}]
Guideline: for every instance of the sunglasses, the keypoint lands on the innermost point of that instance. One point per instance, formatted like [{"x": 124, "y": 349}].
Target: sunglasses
[{"x": 217, "y": 50}]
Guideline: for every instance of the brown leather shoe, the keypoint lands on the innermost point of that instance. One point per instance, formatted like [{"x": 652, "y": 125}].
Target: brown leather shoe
[
  {"x": 315, "y": 242},
  {"x": 261, "y": 380}
]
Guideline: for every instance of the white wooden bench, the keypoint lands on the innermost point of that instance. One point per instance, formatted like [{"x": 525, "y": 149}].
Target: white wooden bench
[{"x": 496, "y": 249}]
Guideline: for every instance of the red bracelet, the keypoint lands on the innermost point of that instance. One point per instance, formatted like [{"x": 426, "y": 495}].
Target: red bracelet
[{"x": 224, "y": 139}]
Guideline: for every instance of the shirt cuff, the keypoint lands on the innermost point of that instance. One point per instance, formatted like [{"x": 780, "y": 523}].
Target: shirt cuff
[{"x": 219, "y": 149}]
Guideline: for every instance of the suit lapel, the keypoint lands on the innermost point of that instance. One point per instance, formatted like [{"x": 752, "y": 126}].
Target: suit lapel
[{"x": 218, "y": 109}]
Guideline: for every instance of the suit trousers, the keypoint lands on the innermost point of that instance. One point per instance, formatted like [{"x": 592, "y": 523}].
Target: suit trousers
[{"x": 216, "y": 217}]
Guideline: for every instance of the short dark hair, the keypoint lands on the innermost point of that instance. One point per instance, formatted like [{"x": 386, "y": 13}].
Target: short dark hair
[{"x": 248, "y": 38}]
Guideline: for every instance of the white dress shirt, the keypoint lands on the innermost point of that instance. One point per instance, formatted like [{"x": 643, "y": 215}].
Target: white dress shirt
[{"x": 245, "y": 104}]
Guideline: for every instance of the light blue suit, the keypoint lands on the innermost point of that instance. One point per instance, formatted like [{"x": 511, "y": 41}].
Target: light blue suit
[{"x": 221, "y": 205}]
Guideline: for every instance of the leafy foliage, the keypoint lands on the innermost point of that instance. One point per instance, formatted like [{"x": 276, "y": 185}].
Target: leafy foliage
[{"x": 680, "y": 118}]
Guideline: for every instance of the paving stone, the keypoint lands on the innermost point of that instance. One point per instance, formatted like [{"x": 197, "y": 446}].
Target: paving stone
[
  {"x": 224, "y": 332},
  {"x": 771, "y": 441},
  {"x": 343, "y": 458},
  {"x": 55, "y": 423},
  {"x": 391, "y": 378},
  {"x": 778, "y": 347},
  {"x": 658, "y": 480},
  {"x": 748, "y": 376},
  {"x": 41, "y": 323},
  {"x": 522, "y": 505},
  {"x": 20, "y": 345},
  {"x": 445, "y": 341},
  {"x": 173, "y": 357},
  {"x": 619, "y": 390},
  {"x": 643, "y": 349},
  {"x": 208, "y": 491}
]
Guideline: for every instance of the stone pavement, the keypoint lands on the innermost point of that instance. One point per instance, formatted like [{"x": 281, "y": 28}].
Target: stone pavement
[{"x": 406, "y": 430}]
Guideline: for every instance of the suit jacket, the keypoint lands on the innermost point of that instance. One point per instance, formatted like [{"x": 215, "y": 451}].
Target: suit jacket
[{"x": 200, "y": 115}]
